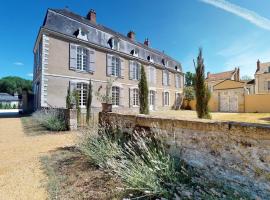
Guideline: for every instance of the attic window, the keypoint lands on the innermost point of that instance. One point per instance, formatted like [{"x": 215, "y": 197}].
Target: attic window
[
  {"x": 80, "y": 34},
  {"x": 114, "y": 43},
  {"x": 150, "y": 58},
  {"x": 176, "y": 68},
  {"x": 134, "y": 52},
  {"x": 165, "y": 62}
]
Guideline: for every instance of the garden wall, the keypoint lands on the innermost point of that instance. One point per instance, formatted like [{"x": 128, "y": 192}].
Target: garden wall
[
  {"x": 233, "y": 152},
  {"x": 257, "y": 103}
]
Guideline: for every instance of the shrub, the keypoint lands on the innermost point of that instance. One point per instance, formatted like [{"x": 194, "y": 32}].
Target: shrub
[{"x": 51, "y": 119}]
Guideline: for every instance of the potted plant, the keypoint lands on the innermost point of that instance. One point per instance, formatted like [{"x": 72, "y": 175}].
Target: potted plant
[{"x": 106, "y": 99}]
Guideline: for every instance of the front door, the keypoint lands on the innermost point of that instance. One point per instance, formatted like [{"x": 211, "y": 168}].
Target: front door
[{"x": 152, "y": 100}]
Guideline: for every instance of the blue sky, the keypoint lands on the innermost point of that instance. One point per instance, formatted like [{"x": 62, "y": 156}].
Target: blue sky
[{"x": 232, "y": 32}]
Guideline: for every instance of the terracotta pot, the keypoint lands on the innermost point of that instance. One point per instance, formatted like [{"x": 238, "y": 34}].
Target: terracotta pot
[{"x": 106, "y": 107}]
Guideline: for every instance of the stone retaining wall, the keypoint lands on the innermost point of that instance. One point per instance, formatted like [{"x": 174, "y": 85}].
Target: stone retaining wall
[{"x": 233, "y": 152}]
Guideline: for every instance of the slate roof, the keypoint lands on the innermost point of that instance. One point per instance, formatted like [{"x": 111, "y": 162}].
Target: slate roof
[
  {"x": 221, "y": 76},
  {"x": 66, "y": 22},
  {"x": 8, "y": 97}
]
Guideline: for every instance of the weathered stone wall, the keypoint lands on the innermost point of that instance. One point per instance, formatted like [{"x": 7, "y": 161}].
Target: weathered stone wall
[{"x": 233, "y": 152}]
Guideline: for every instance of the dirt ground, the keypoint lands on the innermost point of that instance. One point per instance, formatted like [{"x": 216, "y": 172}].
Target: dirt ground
[
  {"x": 262, "y": 118},
  {"x": 21, "y": 174}
]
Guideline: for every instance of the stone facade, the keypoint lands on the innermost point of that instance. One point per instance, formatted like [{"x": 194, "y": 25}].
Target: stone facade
[
  {"x": 228, "y": 151},
  {"x": 262, "y": 78},
  {"x": 54, "y": 72}
]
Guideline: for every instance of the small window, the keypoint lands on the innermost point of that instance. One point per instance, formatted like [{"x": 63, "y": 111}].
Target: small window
[
  {"x": 135, "y": 97},
  {"x": 166, "y": 98},
  {"x": 116, "y": 71},
  {"x": 82, "y": 93},
  {"x": 82, "y": 58},
  {"x": 114, "y": 43},
  {"x": 152, "y": 98},
  {"x": 115, "y": 96},
  {"x": 150, "y": 59},
  {"x": 134, "y": 52}
]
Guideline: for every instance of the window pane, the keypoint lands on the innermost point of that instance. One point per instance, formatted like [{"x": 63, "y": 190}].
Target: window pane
[{"x": 115, "y": 95}]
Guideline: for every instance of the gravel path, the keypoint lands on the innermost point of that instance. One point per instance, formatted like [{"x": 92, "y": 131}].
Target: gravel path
[{"x": 21, "y": 175}]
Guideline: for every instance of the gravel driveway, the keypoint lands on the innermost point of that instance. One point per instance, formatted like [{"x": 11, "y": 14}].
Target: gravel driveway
[{"x": 21, "y": 175}]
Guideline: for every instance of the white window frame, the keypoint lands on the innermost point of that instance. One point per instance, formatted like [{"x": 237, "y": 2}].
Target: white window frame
[
  {"x": 152, "y": 75},
  {"x": 177, "y": 81},
  {"x": 82, "y": 92},
  {"x": 115, "y": 96},
  {"x": 152, "y": 97},
  {"x": 115, "y": 44},
  {"x": 82, "y": 58},
  {"x": 135, "y": 97},
  {"x": 166, "y": 100},
  {"x": 116, "y": 66},
  {"x": 167, "y": 74}
]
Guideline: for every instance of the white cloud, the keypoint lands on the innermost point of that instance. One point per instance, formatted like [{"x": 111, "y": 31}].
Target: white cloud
[
  {"x": 244, "y": 13},
  {"x": 30, "y": 74},
  {"x": 18, "y": 63}
]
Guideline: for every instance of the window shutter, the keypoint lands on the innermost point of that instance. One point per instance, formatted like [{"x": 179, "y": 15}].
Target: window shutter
[
  {"x": 163, "y": 77},
  {"x": 169, "y": 78},
  {"x": 72, "y": 56},
  {"x": 91, "y": 59},
  {"x": 131, "y": 63},
  {"x": 163, "y": 98},
  {"x": 109, "y": 65},
  {"x": 122, "y": 66},
  {"x": 130, "y": 97},
  {"x": 121, "y": 100},
  {"x": 155, "y": 101},
  {"x": 72, "y": 86},
  {"x": 139, "y": 70}
]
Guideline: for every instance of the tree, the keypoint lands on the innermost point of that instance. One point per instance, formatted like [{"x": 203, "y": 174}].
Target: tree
[
  {"x": 201, "y": 90},
  {"x": 13, "y": 84},
  {"x": 143, "y": 93},
  {"x": 189, "y": 79},
  {"x": 189, "y": 95},
  {"x": 89, "y": 102}
]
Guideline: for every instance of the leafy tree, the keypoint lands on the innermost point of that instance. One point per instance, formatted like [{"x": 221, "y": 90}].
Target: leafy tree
[
  {"x": 201, "y": 91},
  {"x": 189, "y": 79},
  {"x": 1, "y": 105},
  {"x": 143, "y": 93},
  {"x": 89, "y": 102},
  {"x": 189, "y": 94},
  {"x": 13, "y": 84}
]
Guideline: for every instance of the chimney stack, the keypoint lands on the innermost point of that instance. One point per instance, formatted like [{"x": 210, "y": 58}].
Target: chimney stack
[
  {"x": 258, "y": 65},
  {"x": 131, "y": 35},
  {"x": 92, "y": 16},
  {"x": 146, "y": 42}
]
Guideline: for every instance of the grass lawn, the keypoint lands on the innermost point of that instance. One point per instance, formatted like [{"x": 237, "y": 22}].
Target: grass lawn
[{"x": 262, "y": 118}]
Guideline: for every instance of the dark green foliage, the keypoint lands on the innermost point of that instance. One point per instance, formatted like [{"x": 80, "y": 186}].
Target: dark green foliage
[
  {"x": 143, "y": 93},
  {"x": 13, "y": 84},
  {"x": 189, "y": 95},
  {"x": 68, "y": 99},
  {"x": 189, "y": 79},
  {"x": 77, "y": 99},
  {"x": 89, "y": 102},
  {"x": 14, "y": 106},
  {"x": 201, "y": 91},
  {"x": 1, "y": 105}
]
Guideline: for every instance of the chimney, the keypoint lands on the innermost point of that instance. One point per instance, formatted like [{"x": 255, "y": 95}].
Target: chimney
[
  {"x": 131, "y": 35},
  {"x": 92, "y": 16},
  {"x": 208, "y": 74},
  {"x": 146, "y": 42},
  {"x": 258, "y": 65}
]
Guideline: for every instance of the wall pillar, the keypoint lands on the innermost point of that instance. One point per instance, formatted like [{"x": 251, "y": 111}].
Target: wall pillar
[{"x": 72, "y": 119}]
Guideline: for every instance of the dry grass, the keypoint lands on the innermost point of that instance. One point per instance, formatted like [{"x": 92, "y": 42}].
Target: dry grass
[
  {"x": 261, "y": 118},
  {"x": 21, "y": 175}
]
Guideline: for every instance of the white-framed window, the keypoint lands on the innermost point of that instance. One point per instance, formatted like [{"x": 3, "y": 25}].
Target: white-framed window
[
  {"x": 134, "y": 52},
  {"x": 135, "y": 100},
  {"x": 134, "y": 70},
  {"x": 177, "y": 81},
  {"x": 152, "y": 97},
  {"x": 115, "y": 96},
  {"x": 82, "y": 92},
  {"x": 82, "y": 58},
  {"x": 166, "y": 78},
  {"x": 116, "y": 70},
  {"x": 152, "y": 75},
  {"x": 166, "y": 98},
  {"x": 114, "y": 43}
]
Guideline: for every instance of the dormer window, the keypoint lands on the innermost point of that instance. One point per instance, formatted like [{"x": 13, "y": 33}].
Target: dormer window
[
  {"x": 176, "y": 68},
  {"x": 80, "y": 34},
  {"x": 165, "y": 62},
  {"x": 150, "y": 59},
  {"x": 114, "y": 43},
  {"x": 134, "y": 52}
]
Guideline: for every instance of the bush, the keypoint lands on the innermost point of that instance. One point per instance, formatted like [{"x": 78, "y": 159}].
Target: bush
[{"x": 51, "y": 119}]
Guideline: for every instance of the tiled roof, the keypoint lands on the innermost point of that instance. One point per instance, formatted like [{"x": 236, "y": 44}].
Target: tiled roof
[
  {"x": 221, "y": 76},
  {"x": 8, "y": 97},
  {"x": 229, "y": 84},
  {"x": 66, "y": 22}
]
